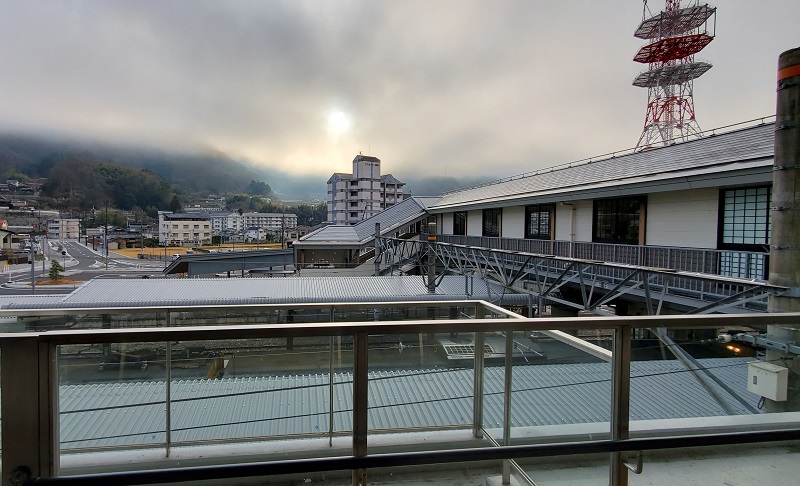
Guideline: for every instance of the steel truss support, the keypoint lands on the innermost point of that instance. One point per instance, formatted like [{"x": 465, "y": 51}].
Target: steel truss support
[{"x": 598, "y": 283}]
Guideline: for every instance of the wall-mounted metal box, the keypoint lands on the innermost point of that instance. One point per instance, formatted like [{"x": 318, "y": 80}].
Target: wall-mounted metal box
[{"x": 767, "y": 380}]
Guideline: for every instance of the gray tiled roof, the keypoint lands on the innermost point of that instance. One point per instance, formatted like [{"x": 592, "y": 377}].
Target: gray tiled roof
[
  {"x": 718, "y": 152},
  {"x": 390, "y": 219},
  {"x": 298, "y": 404},
  {"x": 243, "y": 291}
]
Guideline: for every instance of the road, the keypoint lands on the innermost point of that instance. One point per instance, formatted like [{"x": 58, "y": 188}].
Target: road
[{"x": 80, "y": 262}]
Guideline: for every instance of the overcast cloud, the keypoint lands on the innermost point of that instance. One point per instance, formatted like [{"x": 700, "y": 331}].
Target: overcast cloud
[{"x": 458, "y": 88}]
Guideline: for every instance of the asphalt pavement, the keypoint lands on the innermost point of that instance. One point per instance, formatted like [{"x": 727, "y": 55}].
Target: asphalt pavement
[{"x": 81, "y": 263}]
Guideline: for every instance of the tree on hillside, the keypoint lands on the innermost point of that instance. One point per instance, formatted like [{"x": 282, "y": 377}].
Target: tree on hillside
[
  {"x": 258, "y": 188},
  {"x": 175, "y": 205}
]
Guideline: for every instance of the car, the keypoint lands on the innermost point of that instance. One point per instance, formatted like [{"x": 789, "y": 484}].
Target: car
[
  {"x": 118, "y": 361},
  {"x": 322, "y": 264}
]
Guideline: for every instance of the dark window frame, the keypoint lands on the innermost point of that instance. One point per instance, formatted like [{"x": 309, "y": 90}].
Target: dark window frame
[
  {"x": 619, "y": 220},
  {"x": 544, "y": 225},
  {"x": 460, "y": 223},
  {"x": 492, "y": 229},
  {"x": 749, "y": 210}
]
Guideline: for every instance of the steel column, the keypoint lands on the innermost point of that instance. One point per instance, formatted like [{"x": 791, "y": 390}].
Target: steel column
[
  {"x": 360, "y": 402},
  {"x": 620, "y": 401}
]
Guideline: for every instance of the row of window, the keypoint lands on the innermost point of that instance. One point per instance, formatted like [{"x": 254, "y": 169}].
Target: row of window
[{"x": 744, "y": 222}]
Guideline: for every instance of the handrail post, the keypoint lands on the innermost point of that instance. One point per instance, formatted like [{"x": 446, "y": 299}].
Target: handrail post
[
  {"x": 508, "y": 382},
  {"x": 477, "y": 393},
  {"x": 29, "y": 408},
  {"x": 360, "y": 402},
  {"x": 330, "y": 392},
  {"x": 620, "y": 401},
  {"x": 168, "y": 395}
]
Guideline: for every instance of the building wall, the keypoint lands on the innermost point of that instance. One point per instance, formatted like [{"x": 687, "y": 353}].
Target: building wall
[
  {"x": 64, "y": 228},
  {"x": 683, "y": 218},
  {"x": 513, "y": 225},
  {"x": 474, "y": 223},
  {"x": 445, "y": 223},
  {"x": 678, "y": 218},
  {"x": 364, "y": 193}
]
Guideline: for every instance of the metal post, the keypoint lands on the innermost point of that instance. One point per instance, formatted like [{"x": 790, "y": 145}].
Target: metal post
[
  {"x": 330, "y": 394},
  {"x": 105, "y": 234},
  {"x": 360, "y": 402},
  {"x": 377, "y": 253},
  {"x": 508, "y": 383},
  {"x": 30, "y": 419},
  {"x": 620, "y": 401},
  {"x": 33, "y": 272},
  {"x": 784, "y": 257},
  {"x": 477, "y": 393},
  {"x": 432, "y": 257},
  {"x": 168, "y": 393}
]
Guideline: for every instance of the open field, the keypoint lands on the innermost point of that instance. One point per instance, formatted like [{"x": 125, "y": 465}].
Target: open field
[{"x": 159, "y": 252}]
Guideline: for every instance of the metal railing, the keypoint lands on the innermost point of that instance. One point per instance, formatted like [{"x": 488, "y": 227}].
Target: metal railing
[
  {"x": 30, "y": 380},
  {"x": 536, "y": 266},
  {"x": 725, "y": 263}
]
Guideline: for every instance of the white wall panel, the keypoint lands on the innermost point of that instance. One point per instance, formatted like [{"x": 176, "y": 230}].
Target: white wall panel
[
  {"x": 513, "y": 222},
  {"x": 475, "y": 223},
  {"x": 683, "y": 218}
]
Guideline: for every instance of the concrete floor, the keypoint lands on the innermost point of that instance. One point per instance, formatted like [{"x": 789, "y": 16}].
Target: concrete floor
[{"x": 758, "y": 464}]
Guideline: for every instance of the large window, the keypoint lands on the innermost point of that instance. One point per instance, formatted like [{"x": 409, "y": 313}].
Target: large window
[
  {"x": 460, "y": 223},
  {"x": 539, "y": 221},
  {"x": 491, "y": 222},
  {"x": 745, "y": 218},
  {"x": 618, "y": 220}
]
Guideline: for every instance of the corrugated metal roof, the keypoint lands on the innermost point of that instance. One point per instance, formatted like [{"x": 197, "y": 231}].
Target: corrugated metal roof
[
  {"x": 390, "y": 219},
  {"x": 722, "y": 152},
  {"x": 298, "y": 404},
  {"x": 244, "y": 291}
]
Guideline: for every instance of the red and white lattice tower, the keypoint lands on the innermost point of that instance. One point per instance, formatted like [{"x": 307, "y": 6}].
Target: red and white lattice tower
[{"x": 675, "y": 36}]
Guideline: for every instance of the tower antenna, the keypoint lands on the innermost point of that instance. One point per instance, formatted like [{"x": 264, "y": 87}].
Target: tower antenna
[{"x": 675, "y": 35}]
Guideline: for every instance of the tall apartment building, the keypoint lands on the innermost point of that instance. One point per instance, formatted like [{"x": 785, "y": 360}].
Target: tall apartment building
[{"x": 362, "y": 194}]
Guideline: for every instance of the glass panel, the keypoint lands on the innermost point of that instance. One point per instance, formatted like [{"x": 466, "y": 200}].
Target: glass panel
[
  {"x": 111, "y": 396},
  {"x": 560, "y": 393}
]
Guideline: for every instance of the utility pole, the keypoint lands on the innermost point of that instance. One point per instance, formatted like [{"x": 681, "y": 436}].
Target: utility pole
[{"x": 784, "y": 255}]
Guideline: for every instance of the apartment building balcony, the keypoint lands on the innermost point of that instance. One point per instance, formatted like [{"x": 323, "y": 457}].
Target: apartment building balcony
[{"x": 405, "y": 393}]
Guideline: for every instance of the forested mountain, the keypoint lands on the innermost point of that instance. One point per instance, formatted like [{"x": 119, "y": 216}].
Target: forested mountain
[
  {"x": 204, "y": 173},
  {"x": 80, "y": 183}
]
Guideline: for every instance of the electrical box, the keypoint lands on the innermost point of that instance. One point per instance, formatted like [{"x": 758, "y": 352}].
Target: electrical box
[{"x": 767, "y": 380}]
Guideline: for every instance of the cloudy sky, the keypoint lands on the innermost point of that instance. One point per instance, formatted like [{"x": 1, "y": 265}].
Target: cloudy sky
[{"x": 432, "y": 87}]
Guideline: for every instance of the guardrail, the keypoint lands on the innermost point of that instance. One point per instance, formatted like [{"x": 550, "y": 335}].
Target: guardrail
[
  {"x": 726, "y": 263},
  {"x": 31, "y": 377}
]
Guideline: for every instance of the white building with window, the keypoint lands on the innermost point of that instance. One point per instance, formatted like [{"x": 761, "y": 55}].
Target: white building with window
[
  {"x": 711, "y": 193},
  {"x": 362, "y": 194},
  {"x": 184, "y": 229},
  {"x": 233, "y": 222},
  {"x": 64, "y": 229}
]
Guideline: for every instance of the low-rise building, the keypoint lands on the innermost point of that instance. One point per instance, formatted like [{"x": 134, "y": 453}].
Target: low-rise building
[
  {"x": 66, "y": 229},
  {"x": 184, "y": 229}
]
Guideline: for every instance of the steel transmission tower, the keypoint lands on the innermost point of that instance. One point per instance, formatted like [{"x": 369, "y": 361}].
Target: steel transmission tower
[{"x": 675, "y": 35}]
